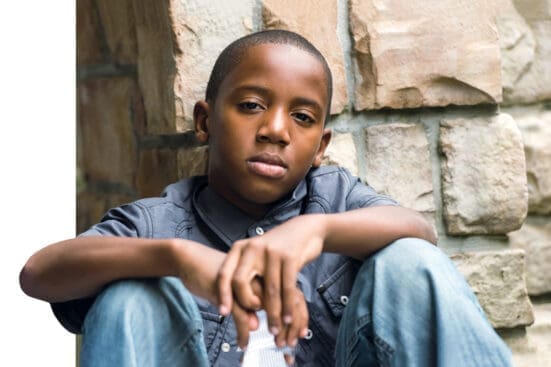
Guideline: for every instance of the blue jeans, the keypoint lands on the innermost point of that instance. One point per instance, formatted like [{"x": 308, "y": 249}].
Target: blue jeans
[{"x": 409, "y": 307}]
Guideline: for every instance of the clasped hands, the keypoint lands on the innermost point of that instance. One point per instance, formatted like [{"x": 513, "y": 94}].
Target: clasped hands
[{"x": 261, "y": 273}]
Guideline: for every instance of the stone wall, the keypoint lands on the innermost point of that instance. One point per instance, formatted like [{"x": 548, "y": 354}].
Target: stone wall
[{"x": 444, "y": 105}]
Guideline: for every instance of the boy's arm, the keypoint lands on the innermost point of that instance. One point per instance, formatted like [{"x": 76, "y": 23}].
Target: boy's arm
[
  {"x": 360, "y": 232},
  {"x": 82, "y": 266},
  {"x": 280, "y": 253}
]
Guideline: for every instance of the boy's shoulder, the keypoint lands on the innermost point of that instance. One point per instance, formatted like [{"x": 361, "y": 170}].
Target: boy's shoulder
[
  {"x": 335, "y": 189},
  {"x": 328, "y": 178},
  {"x": 179, "y": 193}
]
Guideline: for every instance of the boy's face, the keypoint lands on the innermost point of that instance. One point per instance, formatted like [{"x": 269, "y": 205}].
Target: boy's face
[{"x": 266, "y": 128}]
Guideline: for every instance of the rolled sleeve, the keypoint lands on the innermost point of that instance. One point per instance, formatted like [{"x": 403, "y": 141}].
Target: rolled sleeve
[
  {"x": 129, "y": 220},
  {"x": 363, "y": 196}
]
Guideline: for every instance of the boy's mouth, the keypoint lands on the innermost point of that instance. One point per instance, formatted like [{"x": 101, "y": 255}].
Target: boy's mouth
[{"x": 267, "y": 165}]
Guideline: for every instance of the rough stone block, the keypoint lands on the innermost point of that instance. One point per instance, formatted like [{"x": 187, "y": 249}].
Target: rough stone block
[
  {"x": 192, "y": 161},
  {"x": 497, "y": 280},
  {"x": 342, "y": 152},
  {"x": 483, "y": 175},
  {"x": 535, "y": 239},
  {"x": 431, "y": 53},
  {"x": 533, "y": 82},
  {"x": 398, "y": 165},
  {"x": 532, "y": 348},
  {"x": 536, "y": 135},
  {"x": 290, "y": 15},
  {"x": 89, "y": 43},
  {"x": 178, "y": 42},
  {"x": 517, "y": 45},
  {"x": 106, "y": 129},
  {"x": 117, "y": 18},
  {"x": 157, "y": 168},
  {"x": 534, "y": 9}
]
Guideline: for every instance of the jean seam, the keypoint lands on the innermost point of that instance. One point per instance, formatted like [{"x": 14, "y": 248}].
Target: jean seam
[{"x": 383, "y": 351}]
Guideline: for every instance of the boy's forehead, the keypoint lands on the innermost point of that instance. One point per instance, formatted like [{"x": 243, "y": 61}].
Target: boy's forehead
[
  {"x": 266, "y": 54},
  {"x": 269, "y": 60}
]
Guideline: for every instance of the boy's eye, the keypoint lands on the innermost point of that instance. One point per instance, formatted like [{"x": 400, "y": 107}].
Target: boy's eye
[
  {"x": 302, "y": 117},
  {"x": 250, "y": 106}
]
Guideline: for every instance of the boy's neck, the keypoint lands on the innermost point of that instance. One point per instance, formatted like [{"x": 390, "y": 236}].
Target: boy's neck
[{"x": 252, "y": 209}]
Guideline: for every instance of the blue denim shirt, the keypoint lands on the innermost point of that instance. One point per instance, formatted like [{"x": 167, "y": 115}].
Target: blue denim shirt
[{"x": 189, "y": 209}]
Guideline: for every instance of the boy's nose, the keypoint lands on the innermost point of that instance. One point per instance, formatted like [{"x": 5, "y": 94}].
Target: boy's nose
[{"x": 274, "y": 128}]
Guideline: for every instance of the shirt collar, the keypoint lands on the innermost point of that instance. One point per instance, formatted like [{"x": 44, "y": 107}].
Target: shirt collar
[{"x": 230, "y": 223}]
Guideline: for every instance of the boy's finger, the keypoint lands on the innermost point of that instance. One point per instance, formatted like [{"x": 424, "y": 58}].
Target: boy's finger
[
  {"x": 272, "y": 295},
  {"x": 300, "y": 322},
  {"x": 243, "y": 323},
  {"x": 224, "y": 278},
  {"x": 289, "y": 289},
  {"x": 245, "y": 273},
  {"x": 289, "y": 359}
]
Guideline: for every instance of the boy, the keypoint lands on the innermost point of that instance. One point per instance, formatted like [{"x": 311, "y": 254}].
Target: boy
[{"x": 178, "y": 280}]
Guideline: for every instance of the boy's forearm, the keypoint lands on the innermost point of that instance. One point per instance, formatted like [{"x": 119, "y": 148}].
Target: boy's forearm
[
  {"x": 360, "y": 232},
  {"x": 81, "y": 267}
]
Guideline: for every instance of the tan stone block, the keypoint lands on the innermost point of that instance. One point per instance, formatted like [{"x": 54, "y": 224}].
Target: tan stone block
[
  {"x": 534, "y": 9},
  {"x": 117, "y": 18},
  {"x": 193, "y": 161},
  {"x": 398, "y": 165},
  {"x": 342, "y": 152},
  {"x": 106, "y": 129},
  {"x": 533, "y": 83},
  {"x": 432, "y": 53},
  {"x": 88, "y": 42},
  {"x": 156, "y": 64},
  {"x": 291, "y": 15},
  {"x": 157, "y": 168},
  {"x": 517, "y": 45},
  {"x": 535, "y": 239},
  {"x": 532, "y": 348},
  {"x": 497, "y": 280},
  {"x": 201, "y": 32},
  {"x": 536, "y": 135},
  {"x": 483, "y": 175}
]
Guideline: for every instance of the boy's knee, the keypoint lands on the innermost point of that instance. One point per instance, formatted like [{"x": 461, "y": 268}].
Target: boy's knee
[
  {"x": 409, "y": 254},
  {"x": 121, "y": 299},
  {"x": 153, "y": 299},
  {"x": 410, "y": 265}
]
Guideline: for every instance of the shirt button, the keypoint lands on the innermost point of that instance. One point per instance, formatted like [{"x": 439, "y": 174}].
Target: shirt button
[
  {"x": 309, "y": 334},
  {"x": 344, "y": 300},
  {"x": 226, "y": 347},
  {"x": 259, "y": 231}
]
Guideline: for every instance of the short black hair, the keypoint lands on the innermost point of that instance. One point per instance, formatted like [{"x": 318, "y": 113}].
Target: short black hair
[{"x": 234, "y": 52}]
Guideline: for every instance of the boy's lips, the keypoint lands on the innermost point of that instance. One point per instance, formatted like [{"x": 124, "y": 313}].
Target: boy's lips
[{"x": 267, "y": 165}]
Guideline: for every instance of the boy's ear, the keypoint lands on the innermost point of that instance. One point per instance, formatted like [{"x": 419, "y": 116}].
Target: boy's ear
[
  {"x": 201, "y": 120},
  {"x": 325, "y": 139}
]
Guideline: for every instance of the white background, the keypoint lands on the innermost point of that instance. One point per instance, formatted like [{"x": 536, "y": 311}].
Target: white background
[{"x": 37, "y": 169}]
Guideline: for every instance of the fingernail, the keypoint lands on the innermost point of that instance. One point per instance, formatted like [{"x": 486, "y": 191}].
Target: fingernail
[
  {"x": 294, "y": 342},
  {"x": 274, "y": 330},
  {"x": 223, "y": 309},
  {"x": 287, "y": 319}
]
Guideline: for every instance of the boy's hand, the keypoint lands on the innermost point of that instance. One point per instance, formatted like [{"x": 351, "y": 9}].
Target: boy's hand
[
  {"x": 276, "y": 257},
  {"x": 197, "y": 267}
]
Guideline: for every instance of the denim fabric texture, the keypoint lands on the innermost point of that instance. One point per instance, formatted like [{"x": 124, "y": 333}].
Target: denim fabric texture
[{"x": 405, "y": 305}]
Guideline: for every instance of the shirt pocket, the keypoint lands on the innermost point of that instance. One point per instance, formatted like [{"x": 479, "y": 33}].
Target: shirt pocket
[{"x": 336, "y": 289}]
